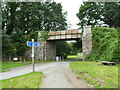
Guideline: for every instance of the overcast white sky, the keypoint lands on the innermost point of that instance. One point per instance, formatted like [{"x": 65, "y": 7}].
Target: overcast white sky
[{"x": 72, "y": 8}]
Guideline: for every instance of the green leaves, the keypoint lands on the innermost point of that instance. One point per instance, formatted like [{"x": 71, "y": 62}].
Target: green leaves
[
  {"x": 35, "y": 16},
  {"x": 23, "y": 20},
  {"x": 44, "y": 35},
  {"x": 7, "y": 45},
  {"x": 98, "y": 14},
  {"x": 63, "y": 49},
  {"x": 105, "y": 45}
]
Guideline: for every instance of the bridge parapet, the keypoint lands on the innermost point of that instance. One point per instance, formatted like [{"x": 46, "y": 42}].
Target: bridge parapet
[{"x": 65, "y": 34}]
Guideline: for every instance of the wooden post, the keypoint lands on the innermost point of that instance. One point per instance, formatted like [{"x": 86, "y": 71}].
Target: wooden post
[{"x": 33, "y": 62}]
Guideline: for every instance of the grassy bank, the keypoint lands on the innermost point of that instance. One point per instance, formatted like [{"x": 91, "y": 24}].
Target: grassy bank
[
  {"x": 30, "y": 80},
  {"x": 97, "y": 75}
]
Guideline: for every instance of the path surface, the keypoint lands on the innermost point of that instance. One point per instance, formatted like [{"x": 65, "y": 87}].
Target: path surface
[{"x": 55, "y": 75}]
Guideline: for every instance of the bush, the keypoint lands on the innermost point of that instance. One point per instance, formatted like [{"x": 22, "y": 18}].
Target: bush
[{"x": 105, "y": 44}]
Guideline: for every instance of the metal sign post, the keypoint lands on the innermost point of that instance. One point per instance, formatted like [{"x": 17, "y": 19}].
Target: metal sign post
[
  {"x": 32, "y": 44},
  {"x": 33, "y": 62}
]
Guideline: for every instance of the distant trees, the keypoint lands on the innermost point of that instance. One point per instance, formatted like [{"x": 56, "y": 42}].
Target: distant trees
[
  {"x": 99, "y": 14},
  {"x": 65, "y": 49},
  {"x": 22, "y": 20},
  {"x": 77, "y": 46},
  {"x": 62, "y": 49}
]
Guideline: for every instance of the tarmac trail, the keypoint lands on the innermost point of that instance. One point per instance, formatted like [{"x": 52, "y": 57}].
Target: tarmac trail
[
  {"x": 55, "y": 75},
  {"x": 61, "y": 76}
]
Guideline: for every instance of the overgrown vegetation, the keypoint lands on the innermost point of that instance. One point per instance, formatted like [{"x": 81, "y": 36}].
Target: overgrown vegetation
[
  {"x": 44, "y": 35},
  {"x": 30, "y": 80},
  {"x": 105, "y": 45},
  {"x": 97, "y": 75}
]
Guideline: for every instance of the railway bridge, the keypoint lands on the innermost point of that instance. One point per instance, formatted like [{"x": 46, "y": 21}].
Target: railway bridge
[{"x": 47, "y": 48}]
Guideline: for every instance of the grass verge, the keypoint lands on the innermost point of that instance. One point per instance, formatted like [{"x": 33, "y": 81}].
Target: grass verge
[
  {"x": 30, "y": 80},
  {"x": 97, "y": 75},
  {"x": 6, "y": 65}
]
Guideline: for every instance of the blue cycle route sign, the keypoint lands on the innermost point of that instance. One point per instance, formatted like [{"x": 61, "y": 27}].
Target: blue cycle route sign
[
  {"x": 32, "y": 44},
  {"x": 29, "y": 43},
  {"x": 36, "y": 44}
]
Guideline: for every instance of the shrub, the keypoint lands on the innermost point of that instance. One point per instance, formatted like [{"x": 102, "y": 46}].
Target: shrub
[{"x": 105, "y": 44}]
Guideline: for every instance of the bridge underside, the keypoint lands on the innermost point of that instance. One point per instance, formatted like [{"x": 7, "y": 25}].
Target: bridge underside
[
  {"x": 66, "y": 39},
  {"x": 47, "y": 49}
]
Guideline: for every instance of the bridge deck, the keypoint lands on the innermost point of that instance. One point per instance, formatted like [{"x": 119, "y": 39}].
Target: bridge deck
[{"x": 65, "y": 35}]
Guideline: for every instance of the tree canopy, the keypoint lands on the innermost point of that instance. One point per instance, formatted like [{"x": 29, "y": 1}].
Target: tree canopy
[
  {"x": 29, "y": 16},
  {"x": 22, "y": 20},
  {"x": 99, "y": 14},
  {"x": 65, "y": 49}
]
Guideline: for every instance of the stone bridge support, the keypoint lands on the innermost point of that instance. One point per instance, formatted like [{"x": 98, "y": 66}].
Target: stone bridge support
[
  {"x": 46, "y": 49},
  {"x": 41, "y": 49},
  {"x": 86, "y": 41},
  {"x": 50, "y": 50}
]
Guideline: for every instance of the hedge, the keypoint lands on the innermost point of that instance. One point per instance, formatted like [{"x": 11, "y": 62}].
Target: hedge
[{"x": 105, "y": 44}]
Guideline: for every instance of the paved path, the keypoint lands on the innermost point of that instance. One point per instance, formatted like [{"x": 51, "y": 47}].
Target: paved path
[
  {"x": 16, "y": 71},
  {"x": 55, "y": 75}
]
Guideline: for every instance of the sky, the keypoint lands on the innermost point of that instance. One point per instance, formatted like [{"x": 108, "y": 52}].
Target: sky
[{"x": 72, "y": 8}]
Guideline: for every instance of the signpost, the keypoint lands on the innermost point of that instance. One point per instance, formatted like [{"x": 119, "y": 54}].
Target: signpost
[
  {"x": 29, "y": 43},
  {"x": 32, "y": 55},
  {"x": 32, "y": 44}
]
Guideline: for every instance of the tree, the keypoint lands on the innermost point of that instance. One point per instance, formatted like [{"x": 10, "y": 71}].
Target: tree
[
  {"x": 19, "y": 40},
  {"x": 8, "y": 48},
  {"x": 77, "y": 46},
  {"x": 98, "y": 14},
  {"x": 35, "y": 16},
  {"x": 22, "y": 20},
  {"x": 8, "y": 13},
  {"x": 63, "y": 49}
]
